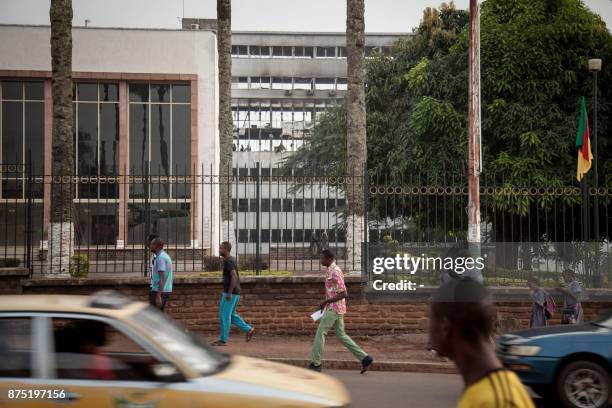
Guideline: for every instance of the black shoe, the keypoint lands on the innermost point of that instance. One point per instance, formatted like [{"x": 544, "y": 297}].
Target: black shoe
[
  {"x": 218, "y": 343},
  {"x": 366, "y": 363},
  {"x": 314, "y": 367}
]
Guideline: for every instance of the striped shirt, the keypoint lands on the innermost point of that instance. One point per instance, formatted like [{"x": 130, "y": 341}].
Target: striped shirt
[{"x": 499, "y": 389}]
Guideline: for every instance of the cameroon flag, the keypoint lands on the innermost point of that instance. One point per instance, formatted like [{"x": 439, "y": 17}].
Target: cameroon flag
[{"x": 583, "y": 144}]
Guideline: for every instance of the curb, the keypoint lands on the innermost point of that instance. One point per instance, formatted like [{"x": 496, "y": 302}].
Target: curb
[{"x": 397, "y": 366}]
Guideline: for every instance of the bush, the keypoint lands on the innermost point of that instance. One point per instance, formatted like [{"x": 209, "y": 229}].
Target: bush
[
  {"x": 79, "y": 266},
  {"x": 215, "y": 263},
  {"x": 9, "y": 263}
]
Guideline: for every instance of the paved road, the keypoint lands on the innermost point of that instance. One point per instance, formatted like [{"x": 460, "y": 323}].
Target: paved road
[
  {"x": 378, "y": 389},
  {"x": 385, "y": 389}
]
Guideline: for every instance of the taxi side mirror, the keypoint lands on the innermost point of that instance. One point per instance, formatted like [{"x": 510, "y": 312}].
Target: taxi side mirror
[{"x": 167, "y": 373}]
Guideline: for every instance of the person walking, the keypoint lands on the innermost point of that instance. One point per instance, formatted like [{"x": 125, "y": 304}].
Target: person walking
[
  {"x": 230, "y": 298},
  {"x": 539, "y": 298},
  {"x": 571, "y": 290},
  {"x": 150, "y": 238},
  {"x": 161, "y": 274},
  {"x": 334, "y": 308},
  {"x": 461, "y": 323}
]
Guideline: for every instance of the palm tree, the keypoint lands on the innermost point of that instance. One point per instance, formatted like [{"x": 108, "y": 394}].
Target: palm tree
[
  {"x": 61, "y": 228},
  {"x": 226, "y": 127},
  {"x": 356, "y": 147}
]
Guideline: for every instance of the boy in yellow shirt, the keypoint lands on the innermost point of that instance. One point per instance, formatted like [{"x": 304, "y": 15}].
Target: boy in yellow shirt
[{"x": 461, "y": 325}]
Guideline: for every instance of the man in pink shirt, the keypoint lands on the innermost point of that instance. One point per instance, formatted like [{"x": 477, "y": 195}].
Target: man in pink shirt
[{"x": 334, "y": 308}]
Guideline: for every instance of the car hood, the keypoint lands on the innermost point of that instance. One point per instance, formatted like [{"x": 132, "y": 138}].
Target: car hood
[
  {"x": 551, "y": 330},
  {"x": 286, "y": 379}
]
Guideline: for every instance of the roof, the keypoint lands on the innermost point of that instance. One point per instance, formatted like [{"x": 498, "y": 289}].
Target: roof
[{"x": 64, "y": 304}]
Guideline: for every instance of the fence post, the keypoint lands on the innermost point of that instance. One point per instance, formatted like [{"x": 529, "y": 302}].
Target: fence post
[
  {"x": 257, "y": 221},
  {"x": 28, "y": 234},
  {"x": 147, "y": 218},
  {"x": 365, "y": 260}
]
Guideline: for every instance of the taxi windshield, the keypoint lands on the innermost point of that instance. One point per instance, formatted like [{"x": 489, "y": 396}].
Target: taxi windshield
[{"x": 180, "y": 342}]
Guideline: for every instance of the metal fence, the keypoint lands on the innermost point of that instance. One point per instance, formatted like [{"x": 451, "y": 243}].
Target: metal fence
[{"x": 282, "y": 222}]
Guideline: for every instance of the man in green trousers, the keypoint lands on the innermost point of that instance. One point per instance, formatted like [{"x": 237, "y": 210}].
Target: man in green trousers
[{"x": 334, "y": 308}]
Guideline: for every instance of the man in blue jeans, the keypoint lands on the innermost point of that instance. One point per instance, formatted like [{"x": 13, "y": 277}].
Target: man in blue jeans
[
  {"x": 161, "y": 274},
  {"x": 230, "y": 298}
]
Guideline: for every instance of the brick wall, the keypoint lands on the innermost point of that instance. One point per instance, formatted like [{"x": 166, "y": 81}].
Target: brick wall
[{"x": 282, "y": 305}]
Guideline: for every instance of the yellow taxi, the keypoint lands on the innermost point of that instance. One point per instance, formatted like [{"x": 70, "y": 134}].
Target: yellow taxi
[{"x": 108, "y": 351}]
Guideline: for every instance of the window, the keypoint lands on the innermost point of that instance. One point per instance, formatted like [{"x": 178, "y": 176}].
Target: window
[
  {"x": 342, "y": 52},
  {"x": 241, "y": 83},
  {"x": 259, "y": 51},
  {"x": 21, "y": 133},
  {"x": 260, "y": 82},
  {"x": 302, "y": 83},
  {"x": 299, "y": 205},
  {"x": 170, "y": 220},
  {"x": 239, "y": 51},
  {"x": 253, "y": 235},
  {"x": 281, "y": 83},
  {"x": 265, "y": 236},
  {"x": 253, "y": 204},
  {"x": 341, "y": 202},
  {"x": 370, "y": 51},
  {"x": 287, "y": 236},
  {"x": 331, "y": 204},
  {"x": 234, "y": 204},
  {"x": 277, "y": 172},
  {"x": 299, "y": 235},
  {"x": 320, "y": 205},
  {"x": 326, "y": 52},
  {"x": 265, "y": 172},
  {"x": 325, "y": 84},
  {"x": 308, "y": 205},
  {"x": 243, "y": 236},
  {"x": 286, "y": 51},
  {"x": 342, "y": 84},
  {"x": 304, "y": 52},
  {"x": 264, "y": 205},
  {"x": 243, "y": 172},
  {"x": 253, "y": 172},
  {"x": 287, "y": 205},
  {"x": 15, "y": 347},
  {"x": 160, "y": 136},
  {"x": 276, "y": 205},
  {"x": 95, "y": 350},
  {"x": 243, "y": 205},
  {"x": 96, "y": 115},
  {"x": 276, "y": 235}
]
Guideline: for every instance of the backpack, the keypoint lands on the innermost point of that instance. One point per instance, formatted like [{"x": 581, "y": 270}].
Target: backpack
[{"x": 549, "y": 306}]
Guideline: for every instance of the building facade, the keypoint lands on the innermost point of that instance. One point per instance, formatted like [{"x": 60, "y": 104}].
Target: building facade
[
  {"x": 281, "y": 83},
  {"x": 145, "y": 117}
]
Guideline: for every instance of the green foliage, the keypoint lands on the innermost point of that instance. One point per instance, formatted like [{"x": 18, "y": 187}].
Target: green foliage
[
  {"x": 79, "y": 266},
  {"x": 534, "y": 57},
  {"x": 273, "y": 272}
]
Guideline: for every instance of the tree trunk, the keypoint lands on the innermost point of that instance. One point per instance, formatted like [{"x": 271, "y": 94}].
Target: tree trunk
[
  {"x": 356, "y": 145},
  {"x": 224, "y": 50},
  {"x": 61, "y": 230}
]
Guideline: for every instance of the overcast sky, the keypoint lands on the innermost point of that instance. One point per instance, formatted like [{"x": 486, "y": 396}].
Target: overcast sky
[{"x": 256, "y": 15}]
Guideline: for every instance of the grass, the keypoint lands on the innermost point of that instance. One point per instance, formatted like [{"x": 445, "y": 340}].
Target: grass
[{"x": 249, "y": 272}]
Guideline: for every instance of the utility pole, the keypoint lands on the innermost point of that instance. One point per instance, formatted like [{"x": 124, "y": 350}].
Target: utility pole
[
  {"x": 595, "y": 67},
  {"x": 474, "y": 141}
]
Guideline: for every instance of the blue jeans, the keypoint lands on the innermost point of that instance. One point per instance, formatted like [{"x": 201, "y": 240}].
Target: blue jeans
[{"x": 228, "y": 316}]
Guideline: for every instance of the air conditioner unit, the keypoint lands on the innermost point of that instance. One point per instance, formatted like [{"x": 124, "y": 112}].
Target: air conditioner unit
[
  {"x": 288, "y": 92},
  {"x": 195, "y": 26},
  {"x": 309, "y": 92},
  {"x": 332, "y": 93}
]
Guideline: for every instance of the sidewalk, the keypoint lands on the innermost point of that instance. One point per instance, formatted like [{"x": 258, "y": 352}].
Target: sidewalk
[{"x": 406, "y": 352}]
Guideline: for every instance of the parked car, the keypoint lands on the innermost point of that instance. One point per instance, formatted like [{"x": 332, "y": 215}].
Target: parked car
[
  {"x": 569, "y": 364},
  {"x": 109, "y": 351}
]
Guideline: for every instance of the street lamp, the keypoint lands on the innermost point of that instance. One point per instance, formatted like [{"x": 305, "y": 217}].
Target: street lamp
[{"x": 595, "y": 67}]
